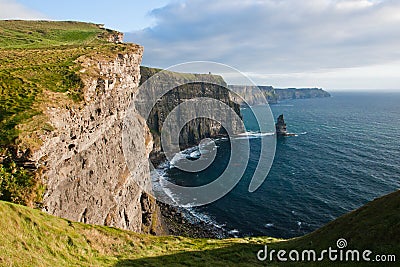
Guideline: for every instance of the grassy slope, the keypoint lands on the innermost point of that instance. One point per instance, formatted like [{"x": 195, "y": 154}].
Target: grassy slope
[
  {"x": 36, "y": 34},
  {"x": 32, "y": 238}
]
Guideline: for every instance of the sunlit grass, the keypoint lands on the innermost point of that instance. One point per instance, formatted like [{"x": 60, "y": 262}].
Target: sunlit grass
[{"x": 29, "y": 237}]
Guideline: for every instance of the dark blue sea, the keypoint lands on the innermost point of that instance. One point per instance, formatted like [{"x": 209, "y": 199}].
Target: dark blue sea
[{"x": 346, "y": 152}]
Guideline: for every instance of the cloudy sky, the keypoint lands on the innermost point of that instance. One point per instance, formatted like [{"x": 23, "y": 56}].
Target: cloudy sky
[{"x": 335, "y": 44}]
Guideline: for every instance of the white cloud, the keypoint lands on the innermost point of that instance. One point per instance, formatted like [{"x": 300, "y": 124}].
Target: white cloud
[
  {"x": 353, "y": 4},
  {"x": 381, "y": 76},
  {"x": 275, "y": 36},
  {"x": 10, "y": 9}
]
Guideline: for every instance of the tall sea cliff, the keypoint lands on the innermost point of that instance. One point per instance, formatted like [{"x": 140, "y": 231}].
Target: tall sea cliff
[
  {"x": 71, "y": 101},
  {"x": 87, "y": 178},
  {"x": 180, "y": 87}
]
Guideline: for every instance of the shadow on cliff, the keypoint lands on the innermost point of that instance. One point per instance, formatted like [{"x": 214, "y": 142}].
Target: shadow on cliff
[{"x": 233, "y": 255}]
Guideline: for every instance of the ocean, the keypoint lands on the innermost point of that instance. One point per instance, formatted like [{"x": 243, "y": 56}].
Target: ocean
[{"x": 345, "y": 153}]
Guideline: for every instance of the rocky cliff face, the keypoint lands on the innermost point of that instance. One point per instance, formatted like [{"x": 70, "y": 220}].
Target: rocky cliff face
[
  {"x": 280, "y": 126},
  {"x": 256, "y": 94},
  {"x": 300, "y": 93},
  {"x": 194, "y": 131},
  {"x": 253, "y": 94},
  {"x": 85, "y": 171}
]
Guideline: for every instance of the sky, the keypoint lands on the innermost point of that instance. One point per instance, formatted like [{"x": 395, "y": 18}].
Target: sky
[{"x": 333, "y": 44}]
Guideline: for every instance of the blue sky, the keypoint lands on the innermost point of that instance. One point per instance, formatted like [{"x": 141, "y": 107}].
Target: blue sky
[
  {"x": 335, "y": 44},
  {"x": 122, "y": 15}
]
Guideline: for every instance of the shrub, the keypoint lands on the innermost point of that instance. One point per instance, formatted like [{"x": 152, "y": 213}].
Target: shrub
[{"x": 19, "y": 185}]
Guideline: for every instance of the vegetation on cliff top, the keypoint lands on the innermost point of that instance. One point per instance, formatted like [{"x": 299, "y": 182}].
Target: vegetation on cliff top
[
  {"x": 39, "y": 69},
  {"x": 29, "y": 237},
  {"x": 147, "y": 72}
]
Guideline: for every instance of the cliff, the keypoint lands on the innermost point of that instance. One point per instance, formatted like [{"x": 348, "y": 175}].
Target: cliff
[
  {"x": 256, "y": 94},
  {"x": 213, "y": 86},
  {"x": 253, "y": 94},
  {"x": 73, "y": 144},
  {"x": 87, "y": 177},
  {"x": 300, "y": 93}
]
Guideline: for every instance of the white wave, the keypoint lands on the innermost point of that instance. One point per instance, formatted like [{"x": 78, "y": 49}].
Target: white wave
[
  {"x": 297, "y": 134},
  {"x": 184, "y": 154},
  {"x": 195, "y": 154},
  {"x": 251, "y": 135},
  {"x": 205, "y": 148},
  {"x": 269, "y": 225},
  {"x": 197, "y": 216},
  {"x": 234, "y": 232},
  {"x": 177, "y": 157},
  {"x": 247, "y": 133},
  {"x": 283, "y": 105},
  {"x": 162, "y": 192}
]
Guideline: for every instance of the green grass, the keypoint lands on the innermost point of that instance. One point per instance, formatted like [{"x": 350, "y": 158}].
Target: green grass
[
  {"x": 147, "y": 72},
  {"x": 29, "y": 237},
  {"x": 37, "y": 57},
  {"x": 42, "y": 34},
  {"x": 25, "y": 75},
  {"x": 32, "y": 238}
]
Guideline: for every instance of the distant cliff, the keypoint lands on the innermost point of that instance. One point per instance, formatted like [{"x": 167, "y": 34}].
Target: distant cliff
[
  {"x": 194, "y": 131},
  {"x": 253, "y": 94},
  {"x": 300, "y": 93},
  {"x": 258, "y": 94}
]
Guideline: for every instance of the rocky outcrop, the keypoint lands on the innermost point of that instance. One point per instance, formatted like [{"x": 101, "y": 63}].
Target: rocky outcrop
[
  {"x": 111, "y": 35},
  {"x": 281, "y": 126},
  {"x": 115, "y": 37},
  {"x": 85, "y": 172},
  {"x": 194, "y": 131},
  {"x": 255, "y": 95}
]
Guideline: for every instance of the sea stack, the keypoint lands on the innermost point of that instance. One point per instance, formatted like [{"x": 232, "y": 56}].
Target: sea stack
[{"x": 280, "y": 126}]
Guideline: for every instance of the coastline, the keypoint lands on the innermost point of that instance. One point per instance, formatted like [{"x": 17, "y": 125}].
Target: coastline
[{"x": 178, "y": 223}]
